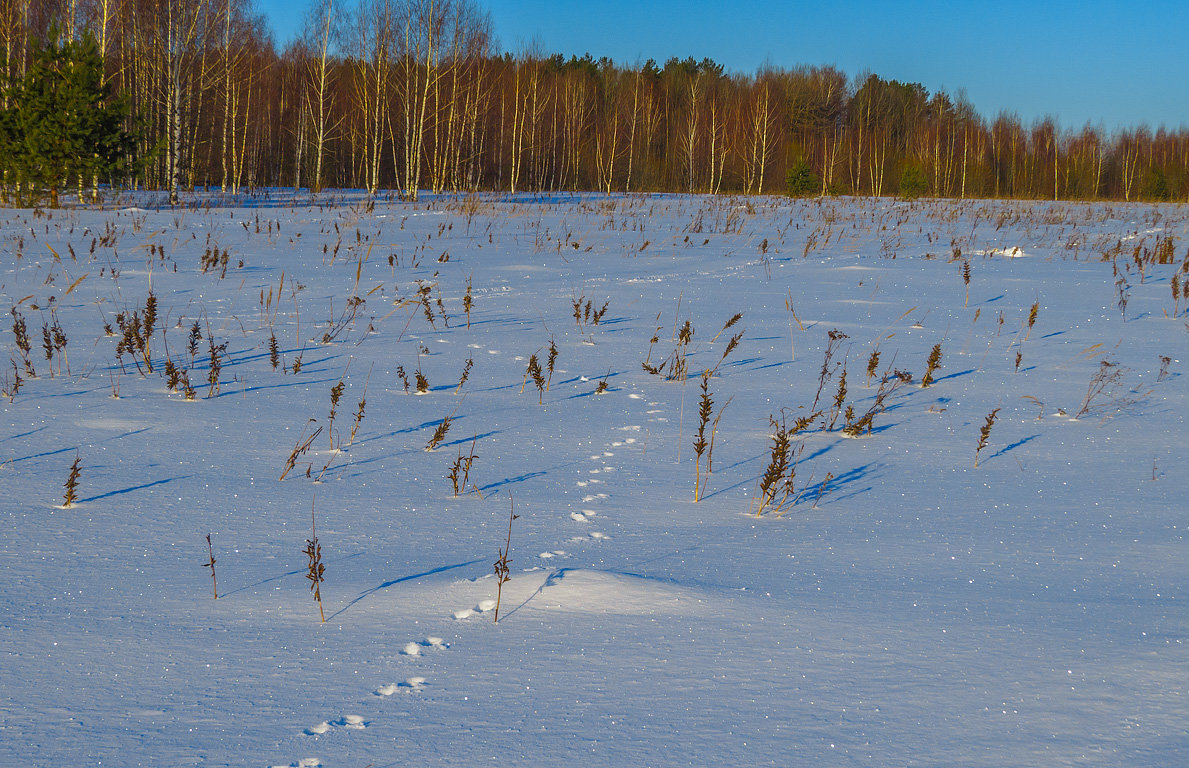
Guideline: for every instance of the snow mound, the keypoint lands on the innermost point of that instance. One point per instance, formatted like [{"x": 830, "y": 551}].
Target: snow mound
[{"x": 590, "y": 591}]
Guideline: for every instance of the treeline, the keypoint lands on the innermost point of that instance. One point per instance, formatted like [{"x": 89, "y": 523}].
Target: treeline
[{"x": 411, "y": 94}]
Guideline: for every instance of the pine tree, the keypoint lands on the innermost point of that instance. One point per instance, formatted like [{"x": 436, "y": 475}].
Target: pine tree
[
  {"x": 913, "y": 183},
  {"x": 64, "y": 124},
  {"x": 802, "y": 181}
]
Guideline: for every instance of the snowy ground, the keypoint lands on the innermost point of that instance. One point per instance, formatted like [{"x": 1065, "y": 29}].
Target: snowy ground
[{"x": 911, "y": 610}]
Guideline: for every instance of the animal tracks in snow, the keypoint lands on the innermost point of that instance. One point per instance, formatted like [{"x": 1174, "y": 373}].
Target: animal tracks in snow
[
  {"x": 592, "y": 536},
  {"x": 483, "y": 607},
  {"x": 415, "y": 650},
  {"x": 412, "y": 685},
  {"x": 350, "y": 722},
  {"x": 354, "y": 722}
]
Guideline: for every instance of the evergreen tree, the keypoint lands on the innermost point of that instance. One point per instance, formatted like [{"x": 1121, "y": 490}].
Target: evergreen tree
[
  {"x": 802, "y": 181},
  {"x": 913, "y": 183},
  {"x": 63, "y": 124}
]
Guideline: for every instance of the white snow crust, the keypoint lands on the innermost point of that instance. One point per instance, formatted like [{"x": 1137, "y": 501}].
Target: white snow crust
[{"x": 907, "y": 608}]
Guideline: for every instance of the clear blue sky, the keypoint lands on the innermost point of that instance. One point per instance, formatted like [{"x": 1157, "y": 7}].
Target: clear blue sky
[{"x": 1109, "y": 63}]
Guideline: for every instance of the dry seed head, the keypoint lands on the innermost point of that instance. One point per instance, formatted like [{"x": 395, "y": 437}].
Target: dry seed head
[
  {"x": 931, "y": 365},
  {"x": 734, "y": 342},
  {"x": 47, "y": 342},
  {"x": 150, "y": 315},
  {"x": 872, "y": 363},
  {"x": 985, "y": 434},
  {"x": 71, "y": 484},
  {"x": 315, "y": 571},
  {"x": 439, "y": 434},
  {"x": 705, "y": 409},
  {"x": 195, "y": 337},
  {"x": 597, "y": 317},
  {"x": 534, "y": 370}
]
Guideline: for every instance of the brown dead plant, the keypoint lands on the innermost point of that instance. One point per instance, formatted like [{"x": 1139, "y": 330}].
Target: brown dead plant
[
  {"x": 503, "y": 562},
  {"x": 304, "y": 442},
  {"x": 315, "y": 570},
  {"x": 984, "y": 435}
]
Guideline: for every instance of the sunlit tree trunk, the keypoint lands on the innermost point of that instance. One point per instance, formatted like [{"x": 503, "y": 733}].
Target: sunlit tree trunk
[{"x": 318, "y": 109}]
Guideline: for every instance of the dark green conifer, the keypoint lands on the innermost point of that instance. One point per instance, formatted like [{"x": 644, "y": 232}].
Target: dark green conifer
[{"x": 64, "y": 125}]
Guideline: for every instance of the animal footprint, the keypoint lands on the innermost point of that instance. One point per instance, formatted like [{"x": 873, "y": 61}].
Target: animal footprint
[
  {"x": 482, "y": 607},
  {"x": 412, "y": 685},
  {"x": 595, "y": 535},
  {"x": 353, "y": 722},
  {"x": 414, "y": 649}
]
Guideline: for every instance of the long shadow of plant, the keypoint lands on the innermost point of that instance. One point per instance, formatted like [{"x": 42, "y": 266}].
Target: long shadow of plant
[{"x": 368, "y": 593}]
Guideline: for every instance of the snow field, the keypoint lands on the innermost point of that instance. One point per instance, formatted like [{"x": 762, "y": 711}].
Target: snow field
[{"x": 912, "y": 610}]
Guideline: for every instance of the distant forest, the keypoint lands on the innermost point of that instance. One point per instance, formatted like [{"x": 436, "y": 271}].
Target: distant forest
[{"x": 411, "y": 95}]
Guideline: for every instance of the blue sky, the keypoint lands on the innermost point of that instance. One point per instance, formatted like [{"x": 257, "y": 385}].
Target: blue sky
[{"x": 1107, "y": 63}]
